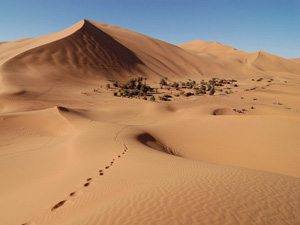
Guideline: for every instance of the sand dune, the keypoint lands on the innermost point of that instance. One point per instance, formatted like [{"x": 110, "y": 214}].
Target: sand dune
[
  {"x": 296, "y": 59},
  {"x": 259, "y": 61},
  {"x": 72, "y": 153}
]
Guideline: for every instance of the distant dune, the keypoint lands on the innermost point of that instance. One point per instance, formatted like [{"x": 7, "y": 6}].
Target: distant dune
[
  {"x": 261, "y": 61},
  {"x": 75, "y": 150},
  {"x": 296, "y": 59}
]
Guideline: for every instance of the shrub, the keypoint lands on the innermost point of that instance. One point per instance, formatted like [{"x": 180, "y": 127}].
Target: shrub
[
  {"x": 188, "y": 94},
  {"x": 175, "y": 85},
  {"x": 108, "y": 86},
  {"x": 162, "y": 83},
  {"x": 130, "y": 94},
  {"x": 152, "y": 98},
  {"x": 212, "y": 90},
  {"x": 163, "y": 98},
  {"x": 115, "y": 93},
  {"x": 126, "y": 92},
  {"x": 115, "y": 84},
  {"x": 145, "y": 98},
  {"x": 145, "y": 88},
  {"x": 203, "y": 88}
]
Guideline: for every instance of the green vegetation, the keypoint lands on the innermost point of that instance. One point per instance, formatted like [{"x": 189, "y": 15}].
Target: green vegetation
[
  {"x": 212, "y": 90},
  {"x": 162, "y": 83},
  {"x": 138, "y": 88}
]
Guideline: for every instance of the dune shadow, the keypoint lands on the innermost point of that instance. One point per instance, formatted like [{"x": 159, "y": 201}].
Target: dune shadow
[{"x": 151, "y": 142}]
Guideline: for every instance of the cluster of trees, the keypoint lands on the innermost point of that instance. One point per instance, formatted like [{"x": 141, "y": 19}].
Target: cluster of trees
[
  {"x": 133, "y": 87},
  {"x": 199, "y": 88},
  {"x": 138, "y": 87}
]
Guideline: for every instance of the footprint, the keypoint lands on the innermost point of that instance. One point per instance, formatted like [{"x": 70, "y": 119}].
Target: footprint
[
  {"x": 107, "y": 167},
  {"x": 89, "y": 179},
  {"x": 58, "y": 205},
  {"x": 100, "y": 171},
  {"x": 100, "y": 174},
  {"x": 87, "y": 184},
  {"x": 73, "y": 193}
]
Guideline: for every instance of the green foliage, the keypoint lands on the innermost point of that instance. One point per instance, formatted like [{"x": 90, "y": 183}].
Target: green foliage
[
  {"x": 208, "y": 87},
  {"x": 152, "y": 98},
  {"x": 115, "y": 84},
  {"x": 175, "y": 85},
  {"x": 126, "y": 92},
  {"x": 145, "y": 88},
  {"x": 162, "y": 83},
  {"x": 163, "y": 98},
  {"x": 131, "y": 93},
  {"x": 188, "y": 94},
  {"x": 131, "y": 83},
  {"x": 212, "y": 90}
]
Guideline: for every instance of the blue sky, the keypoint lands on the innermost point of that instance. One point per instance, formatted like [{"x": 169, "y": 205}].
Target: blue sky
[{"x": 251, "y": 25}]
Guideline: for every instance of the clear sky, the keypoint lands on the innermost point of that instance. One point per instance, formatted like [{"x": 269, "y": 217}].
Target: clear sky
[{"x": 251, "y": 25}]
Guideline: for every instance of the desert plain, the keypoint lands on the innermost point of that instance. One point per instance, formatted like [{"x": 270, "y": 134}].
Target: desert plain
[{"x": 75, "y": 151}]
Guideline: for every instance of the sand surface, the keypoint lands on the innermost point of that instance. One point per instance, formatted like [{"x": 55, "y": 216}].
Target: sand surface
[{"x": 70, "y": 155}]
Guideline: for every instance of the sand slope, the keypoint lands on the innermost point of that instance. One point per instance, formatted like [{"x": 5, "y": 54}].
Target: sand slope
[
  {"x": 258, "y": 61},
  {"x": 70, "y": 155},
  {"x": 296, "y": 59}
]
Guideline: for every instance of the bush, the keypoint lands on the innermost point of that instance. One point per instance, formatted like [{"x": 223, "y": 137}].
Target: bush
[
  {"x": 115, "y": 93},
  {"x": 212, "y": 90},
  {"x": 152, "y": 98},
  {"x": 115, "y": 84},
  {"x": 188, "y": 94},
  {"x": 175, "y": 85},
  {"x": 162, "y": 83},
  {"x": 108, "y": 86},
  {"x": 163, "y": 98},
  {"x": 145, "y": 98},
  {"x": 126, "y": 92},
  {"x": 130, "y": 94}
]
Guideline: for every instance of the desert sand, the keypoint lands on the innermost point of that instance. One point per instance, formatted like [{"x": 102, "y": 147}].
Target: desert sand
[{"x": 71, "y": 153}]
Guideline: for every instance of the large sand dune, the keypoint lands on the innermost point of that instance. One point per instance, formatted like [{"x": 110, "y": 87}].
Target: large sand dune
[{"x": 71, "y": 155}]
